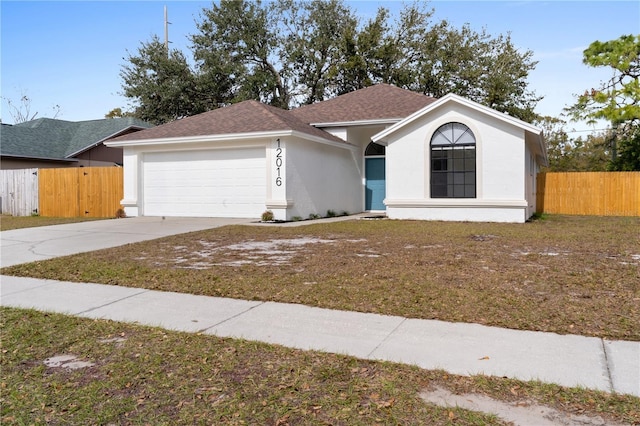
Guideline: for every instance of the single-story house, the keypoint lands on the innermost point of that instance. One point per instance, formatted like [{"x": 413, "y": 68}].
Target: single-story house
[
  {"x": 378, "y": 149},
  {"x": 48, "y": 143}
]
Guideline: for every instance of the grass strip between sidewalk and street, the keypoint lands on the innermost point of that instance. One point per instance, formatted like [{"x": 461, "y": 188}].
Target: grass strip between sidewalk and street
[{"x": 145, "y": 375}]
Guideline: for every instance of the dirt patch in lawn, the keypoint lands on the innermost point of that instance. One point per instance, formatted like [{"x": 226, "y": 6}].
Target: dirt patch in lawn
[
  {"x": 578, "y": 275},
  {"x": 520, "y": 413},
  {"x": 249, "y": 252}
]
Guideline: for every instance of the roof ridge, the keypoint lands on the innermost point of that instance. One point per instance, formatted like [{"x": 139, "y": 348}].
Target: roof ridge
[
  {"x": 283, "y": 115},
  {"x": 375, "y": 102},
  {"x": 249, "y": 116}
]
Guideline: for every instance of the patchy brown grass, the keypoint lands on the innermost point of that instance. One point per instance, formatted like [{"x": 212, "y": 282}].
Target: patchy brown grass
[
  {"x": 8, "y": 222},
  {"x": 578, "y": 275},
  {"x": 144, "y": 375}
]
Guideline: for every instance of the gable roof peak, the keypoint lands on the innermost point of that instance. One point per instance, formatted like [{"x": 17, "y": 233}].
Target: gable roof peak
[{"x": 377, "y": 102}]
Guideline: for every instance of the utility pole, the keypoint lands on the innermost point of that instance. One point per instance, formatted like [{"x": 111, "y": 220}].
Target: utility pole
[
  {"x": 166, "y": 30},
  {"x": 614, "y": 141}
]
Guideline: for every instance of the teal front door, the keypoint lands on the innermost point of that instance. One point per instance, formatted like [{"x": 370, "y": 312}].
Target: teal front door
[{"x": 375, "y": 187}]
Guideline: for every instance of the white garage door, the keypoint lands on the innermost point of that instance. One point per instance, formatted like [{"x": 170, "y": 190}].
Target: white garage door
[{"x": 212, "y": 183}]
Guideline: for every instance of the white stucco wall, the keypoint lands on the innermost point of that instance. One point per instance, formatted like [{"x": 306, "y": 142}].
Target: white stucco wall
[
  {"x": 500, "y": 170},
  {"x": 130, "y": 164},
  {"x": 320, "y": 178},
  {"x": 459, "y": 213}
]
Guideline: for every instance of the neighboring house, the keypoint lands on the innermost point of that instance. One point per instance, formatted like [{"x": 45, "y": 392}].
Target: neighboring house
[
  {"x": 379, "y": 149},
  {"x": 47, "y": 143}
]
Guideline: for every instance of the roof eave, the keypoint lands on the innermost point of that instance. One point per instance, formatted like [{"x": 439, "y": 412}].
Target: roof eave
[
  {"x": 382, "y": 121},
  {"x": 94, "y": 144},
  {"x": 29, "y": 157},
  {"x": 226, "y": 137},
  {"x": 312, "y": 138}
]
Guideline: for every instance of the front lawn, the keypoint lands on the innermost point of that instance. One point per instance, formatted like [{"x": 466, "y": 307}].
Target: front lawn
[
  {"x": 8, "y": 222},
  {"x": 577, "y": 275}
]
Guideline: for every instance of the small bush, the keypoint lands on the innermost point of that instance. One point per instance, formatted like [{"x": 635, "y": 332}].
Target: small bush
[
  {"x": 344, "y": 213},
  {"x": 538, "y": 216},
  {"x": 267, "y": 216},
  {"x": 331, "y": 213},
  {"x": 120, "y": 214},
  {"x": 296, "y": 218},
  {"x": 313, "y": 216}
]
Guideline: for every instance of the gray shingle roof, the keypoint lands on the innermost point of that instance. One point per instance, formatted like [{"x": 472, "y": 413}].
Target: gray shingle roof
[
  {"x": 382, "y": 101},
  {"x": 378, "y": 102},
  {"x": 60, "y": 139},
  {"x": 243, "y": 117}
]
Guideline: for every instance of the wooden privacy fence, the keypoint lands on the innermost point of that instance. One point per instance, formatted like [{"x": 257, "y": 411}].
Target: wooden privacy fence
[
  {"x": 19, "y": 192},
  {"x": 80, "y": 192},
  {"x": 589, "y": 193}
]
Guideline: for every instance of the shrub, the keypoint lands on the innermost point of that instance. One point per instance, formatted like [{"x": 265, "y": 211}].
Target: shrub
[
  {"x": 331, "y": 213},
  {"x": 267, "y": 216}
]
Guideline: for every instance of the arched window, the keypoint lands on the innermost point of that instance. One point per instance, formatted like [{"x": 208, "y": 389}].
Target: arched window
[
  {"x": 453, "y": 162},
  {"x": 374, "y": 149}
]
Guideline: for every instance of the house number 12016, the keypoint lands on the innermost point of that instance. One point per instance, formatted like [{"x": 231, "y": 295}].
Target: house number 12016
[{"x": 278, "y": 164}]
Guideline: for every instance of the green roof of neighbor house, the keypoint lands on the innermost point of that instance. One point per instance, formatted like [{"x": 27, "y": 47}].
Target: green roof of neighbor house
[{"x": 48, "y": 138}]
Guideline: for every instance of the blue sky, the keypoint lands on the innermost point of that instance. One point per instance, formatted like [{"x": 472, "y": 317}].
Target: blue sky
[{"x": 70, "y": 53}]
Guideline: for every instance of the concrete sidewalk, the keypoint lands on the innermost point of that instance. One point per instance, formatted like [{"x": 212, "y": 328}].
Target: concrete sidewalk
[{"x": 568, "y": 360}]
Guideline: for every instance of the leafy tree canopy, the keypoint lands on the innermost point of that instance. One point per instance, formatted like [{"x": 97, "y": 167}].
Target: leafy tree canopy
[
  {"x": 118, "y": 112},
  {"x": 289, "y": 52},
  {"x": 573, "y": 155},
  {"x": 162, "y": 84},
  {"x": 616, "y": 100}
]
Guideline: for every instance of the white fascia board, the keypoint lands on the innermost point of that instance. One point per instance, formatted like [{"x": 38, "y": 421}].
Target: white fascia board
[
  {"x": 382, "y": 136},
  {"x": 228, "y": 137},
  {"x": 357, "y": 123},
  {"x": 197, "y": 139},
  {"x": 312, "y": 138},
  {"x": 93, "y": 145}
]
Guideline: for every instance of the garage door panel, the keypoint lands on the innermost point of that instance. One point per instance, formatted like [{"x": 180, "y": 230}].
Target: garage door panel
[{"x": 224, "y": 183}]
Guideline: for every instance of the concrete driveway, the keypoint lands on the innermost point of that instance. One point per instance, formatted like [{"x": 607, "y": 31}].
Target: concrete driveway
[{"x": 46, "y": 242}]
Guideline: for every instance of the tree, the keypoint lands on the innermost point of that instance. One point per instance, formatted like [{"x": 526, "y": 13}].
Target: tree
[
  {"x": 628, "y": 156},
  {"x": 490, "y": 71},
  {"x": 290, "y": 52},
  {"x": 436, "y": 59},
  {"x": 21, "y": 112},
  {"x": 117, "y": 113},
  {"x": 161, "y": 84},
  {"x": 313, "y": 45},
  {"x": 360, "y": 50},
  {"x": 616, "y": 100},
  {"x": 573, "y": 155},
  {"x": 240, "y": 38}
]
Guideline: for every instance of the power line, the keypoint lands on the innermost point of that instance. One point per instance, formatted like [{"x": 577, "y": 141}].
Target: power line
[{"x": 590, "y": 130}]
